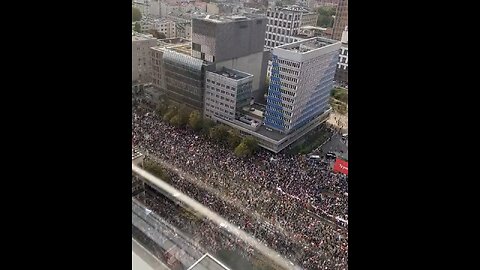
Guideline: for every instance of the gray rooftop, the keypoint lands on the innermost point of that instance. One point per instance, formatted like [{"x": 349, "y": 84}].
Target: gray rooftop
[
  {"x": 231, "y": 18},
  {"x": 307, "y": 45},
  {"x": 294, "y": 8},
  {"x": 232, "y": 73}
]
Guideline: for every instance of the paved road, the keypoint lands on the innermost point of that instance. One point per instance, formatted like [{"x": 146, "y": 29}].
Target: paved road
[{"x": 335, "y": 145}]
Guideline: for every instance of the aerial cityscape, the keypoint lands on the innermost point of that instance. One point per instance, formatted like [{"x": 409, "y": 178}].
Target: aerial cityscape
[{"x": 239, "y": 134}]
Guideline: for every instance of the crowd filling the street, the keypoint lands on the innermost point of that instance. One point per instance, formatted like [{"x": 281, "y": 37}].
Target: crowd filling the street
[{"x": 295, "y": 205}]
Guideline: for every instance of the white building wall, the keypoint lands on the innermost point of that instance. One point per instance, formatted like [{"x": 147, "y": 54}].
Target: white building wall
[
  {"x": 141, "y": 59},
  {"x": 221, "y": 95},
  {"x": 281, "y": 26}
]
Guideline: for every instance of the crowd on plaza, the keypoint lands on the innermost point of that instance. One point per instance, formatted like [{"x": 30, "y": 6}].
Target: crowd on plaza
[{"x": 303, "y": 201}]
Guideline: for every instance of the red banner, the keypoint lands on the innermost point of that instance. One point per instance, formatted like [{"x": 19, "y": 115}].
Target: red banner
[{"x": 341, "y": 166}]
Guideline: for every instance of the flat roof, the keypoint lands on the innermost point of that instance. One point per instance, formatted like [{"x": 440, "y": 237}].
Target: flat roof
[
  {"x": 274, "y": 134},
  {"x": 295, "y": 8},
  {"x": 183, "y": 48},
  {"x": 173, "y": 41},
  {"x": 308, "y": 45},
  {"x": 232, "y": 73},
  {"x": 142, "y": 37},
  {"x": 231, "y": 18},
  {"x": 310, "y": 27}
]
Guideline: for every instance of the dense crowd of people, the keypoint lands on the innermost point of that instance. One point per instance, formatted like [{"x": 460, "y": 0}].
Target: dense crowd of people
[{"x": 304, "y": 198}]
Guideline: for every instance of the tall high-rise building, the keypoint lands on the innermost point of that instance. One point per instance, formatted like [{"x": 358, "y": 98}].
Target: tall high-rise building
[
  {"x": 341, "y": 19},
  {"x": 234, "y": 42},
  {"x": 300, "y": 83},
  {"x": 140, "y": 57}
]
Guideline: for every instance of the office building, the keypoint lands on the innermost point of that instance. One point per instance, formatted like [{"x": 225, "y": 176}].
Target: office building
[
  {"x": 300, "y": 83},
  {"x": 341, "y": 19},
  {"x": 284, "y": 24},
  {"x": 140, "y": 56},
  {"x": 234, "y": 42},
  {"x": 165, "y": 26},
  {"x": 341, "y": 75},
  {"x": 226, "y": 92},
  {"x": 308, "y": 18},
  {"x": 177, "y": 73}
]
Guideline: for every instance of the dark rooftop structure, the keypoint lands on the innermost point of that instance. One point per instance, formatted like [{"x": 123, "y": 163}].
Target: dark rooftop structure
[{"x": 232, "y": 73}]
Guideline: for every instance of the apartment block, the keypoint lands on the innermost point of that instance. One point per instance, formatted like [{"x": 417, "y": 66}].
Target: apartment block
[
  {"x": 283, "y": 23},
  {"x": 140, "y": 57},
  {"x": 166, "y": 27},
  {"x": 300, "y": 83}
]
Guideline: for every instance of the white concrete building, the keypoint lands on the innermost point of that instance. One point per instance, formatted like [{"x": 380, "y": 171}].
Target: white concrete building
[
  {"x": 166, "y": 27},
  {"x": 300, "y": 83},
  {"x": 226, "y": 92},
  {"x": 140, "y": 57},
  {"x": 284, "y": 24}
]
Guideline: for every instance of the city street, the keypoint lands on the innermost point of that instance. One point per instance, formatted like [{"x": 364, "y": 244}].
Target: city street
[{"x": 336, "y": 145}]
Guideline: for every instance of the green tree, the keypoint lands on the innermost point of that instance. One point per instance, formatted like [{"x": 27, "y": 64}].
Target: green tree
[
  {"x": 162, "y": 107},
  {"x": 136, "y": 14},
  {"x": 219, "y": 133},
  {"x": 207, "y": 124},
  {"x": 234, "y": 138},
  {"x": 183, "y": 114},
  {"x": 161, "y": 35},
  {"x": 137, "y": 27},
  {"x": 251, "y": 143},
  {"x": 175, "y": 120},
  {"x": 284, "y": 2},
  {"x": 157, "y": 34},
  {"x": 242, "y": 150},
  {"x": 195, "y": 120},
  {"x": 247, "y": 147},
  {"x": 340, "y": 94},
  {"x": 171, "y": 112},
  {"x": 325, "y": 18}
]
